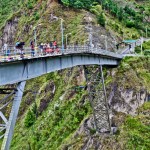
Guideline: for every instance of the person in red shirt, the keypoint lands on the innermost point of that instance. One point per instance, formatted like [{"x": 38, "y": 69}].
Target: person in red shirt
[
  {"x": 55, "y": 44},
  {"x": 32, "y": 48}
]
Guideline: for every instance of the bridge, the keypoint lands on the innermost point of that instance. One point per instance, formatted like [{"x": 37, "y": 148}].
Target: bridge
[
  {"x": 14, "y": 69},
  {"x": 31, "y": 67}
]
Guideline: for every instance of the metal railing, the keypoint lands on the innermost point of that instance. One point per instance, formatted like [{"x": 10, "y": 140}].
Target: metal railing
[{"x": 13, "y": 54}]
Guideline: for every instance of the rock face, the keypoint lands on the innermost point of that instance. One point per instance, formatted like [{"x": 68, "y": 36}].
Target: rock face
[
  {"x": 126, "y": 100},
  {"x": 8, "y": 33}
]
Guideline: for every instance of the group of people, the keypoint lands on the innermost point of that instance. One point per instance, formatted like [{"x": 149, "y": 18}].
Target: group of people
[
  {"x": 48, "y": 47},
  {"x": 44, "y": 48},
  {"x": 18, "y": 49}
]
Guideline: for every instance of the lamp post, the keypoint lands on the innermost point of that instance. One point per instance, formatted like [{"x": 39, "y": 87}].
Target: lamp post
[
  {"x": 105, "y": 41},
  {"x": 35, "y": 39},
  {"x": 115, "y": 42},
  {"x": 146, "y": 32},
  {"x": 62, "y": 34},
  {"x": 141, "y": 45},
  {"x": 90, "y": 36},
  {"x": 66, "y": 38}
]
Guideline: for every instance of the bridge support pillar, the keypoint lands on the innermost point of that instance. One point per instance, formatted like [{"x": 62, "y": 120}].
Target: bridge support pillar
[
  {"x": 98, "y": 98},
  {"x": 13, "y": 116}
]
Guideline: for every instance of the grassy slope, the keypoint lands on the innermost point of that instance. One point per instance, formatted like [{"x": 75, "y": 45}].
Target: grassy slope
[
  {"x": 59, "y": 120},
  {"x": 119, "y": 27},
  {"x": 134, "y": 72},
  {"x": 133, "y": 134},
  {"x": 7, "y": 9},
  {"x": 32, "y": 13}
]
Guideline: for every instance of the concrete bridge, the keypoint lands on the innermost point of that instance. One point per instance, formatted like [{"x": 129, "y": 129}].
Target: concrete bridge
[{"x": 17, "y": 70}]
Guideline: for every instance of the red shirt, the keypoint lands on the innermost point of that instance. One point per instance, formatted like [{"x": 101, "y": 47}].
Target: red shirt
[
  {"x": 32, "y": 46},
  {"x": 54, "y": 43}
]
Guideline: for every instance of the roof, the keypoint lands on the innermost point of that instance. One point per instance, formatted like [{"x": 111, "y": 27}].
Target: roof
[{"x": 129, "y": 41}]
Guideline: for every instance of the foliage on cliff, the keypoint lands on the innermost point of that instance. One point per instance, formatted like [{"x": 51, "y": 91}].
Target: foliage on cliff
[
  {"x": 132, "y": 15},
  {"x": 127, "y": 21},
  {"x": 134, "y": 72}
]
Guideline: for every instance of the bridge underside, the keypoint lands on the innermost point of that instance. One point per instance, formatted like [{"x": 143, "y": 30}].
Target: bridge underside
[{"x": 14, "y": 72}]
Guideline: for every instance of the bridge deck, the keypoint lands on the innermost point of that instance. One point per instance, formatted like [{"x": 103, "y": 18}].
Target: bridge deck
[{"x": 19, "y": 70}]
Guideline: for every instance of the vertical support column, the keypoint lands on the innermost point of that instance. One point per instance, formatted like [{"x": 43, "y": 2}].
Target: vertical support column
[
  {"x": 98, "y": 99},
  {"x": 105, "y": 98},
  {"x": 13, "y": 116}
]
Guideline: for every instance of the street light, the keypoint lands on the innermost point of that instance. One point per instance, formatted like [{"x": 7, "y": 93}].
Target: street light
[
  {"x": 90, "y": 36},
  {"x": 105, "y": 41},
  {"x": 62, "y": 34},
  {"x": 34, "y": 28},
  {"x": 115, "y": 42},
  {"x": 146, "y": 32},
  {"x": 141, "y": 45},
  {"x": 66, "y": 38}
]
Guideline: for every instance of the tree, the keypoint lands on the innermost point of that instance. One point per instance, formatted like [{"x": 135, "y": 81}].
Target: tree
[
  {"x": 66, "y": 2},
  {"x": 101, "y": 19},
  {"x": 78, "y": 4},
  {"x": 29, "y": 119}
]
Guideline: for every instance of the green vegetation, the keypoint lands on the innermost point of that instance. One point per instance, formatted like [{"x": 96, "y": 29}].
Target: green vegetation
[
  {"x": 31, "y": 116},
  {"x": 145, "y": 48},
  {"x": 101, "y": 19},
  {"x": 133, "y": 134},
  {"x": 134, "y": 72},
  {"x": 7, "y": 8},
  {"x": 132, "y": 17},
  {"x": 56, "y": 122},
  {"x": 79, "y": 3},
  {"x": 137, "y": 130}
]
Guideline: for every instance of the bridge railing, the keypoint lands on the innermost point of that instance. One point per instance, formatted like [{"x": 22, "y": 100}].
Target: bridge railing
[
  {"x": 13, "y": 54},
  {"x": 87, "y": 49}
]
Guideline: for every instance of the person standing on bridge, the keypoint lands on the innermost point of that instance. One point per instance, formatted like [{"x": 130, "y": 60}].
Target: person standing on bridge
[
  {"x": 51, "y": 45},
  {"x": 32, "y": 48},
  {"x": 5, "y": 47},
  {"x": 41, "y": 48},
  {"x": 54, "y": 45},
  {"x": 76, "y": 46}
]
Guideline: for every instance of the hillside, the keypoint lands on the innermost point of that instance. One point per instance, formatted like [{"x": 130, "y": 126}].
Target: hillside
[
  {"x": 18, "y": 19},
  {"x": 55, "y": 113}
]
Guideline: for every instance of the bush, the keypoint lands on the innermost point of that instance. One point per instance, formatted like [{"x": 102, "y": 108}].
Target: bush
[
  {"x": 147, "y": 52},
  {"x": 37, "y": 16},
  {"x": 30, "y": 6},
  {"x": 29, "y": 119},
  {"x": 87, "y": 4},
  {"x": 31, "y": 116},
  {"x": 130, "y": 24},
  {"x": 138, "y": 49},
  {"x": 146, "y": 45},
  {"x": 101, "y": 19}
]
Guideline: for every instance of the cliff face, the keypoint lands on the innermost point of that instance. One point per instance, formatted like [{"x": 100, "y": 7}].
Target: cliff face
[
  {"x": 9, "y": 32},
  {"x": 130, "y": 88}
]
